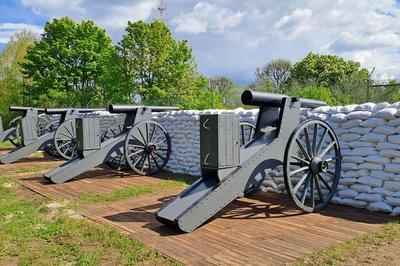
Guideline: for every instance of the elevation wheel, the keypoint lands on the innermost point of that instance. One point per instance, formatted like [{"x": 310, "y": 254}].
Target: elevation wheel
[
  {"x": 118, "y": 161},
  {"x": 65, "y": 139},
  {"x": 147, "y": 147},
  {"x": 247, "y": 132},
  {"x": 312, "y": 164}
]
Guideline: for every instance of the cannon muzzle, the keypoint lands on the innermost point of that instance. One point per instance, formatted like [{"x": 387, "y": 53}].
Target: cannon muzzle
[
  {"x": 24, "y": 109},
  {"x": 259, "y": 98},
  {"x": 52, "y": 111},
  {"x": 126, "y": 108}
]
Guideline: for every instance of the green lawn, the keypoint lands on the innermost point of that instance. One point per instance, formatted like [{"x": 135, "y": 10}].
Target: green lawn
[
  {"x": 371, "y": 247},
  {"x": 30, "y": 235}
]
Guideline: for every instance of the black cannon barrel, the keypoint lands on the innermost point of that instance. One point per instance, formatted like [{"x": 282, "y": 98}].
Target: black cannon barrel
[
  {"x": 259, "y": 98},
  {"x": 24, "y": 108},
  {"x": 80, "y": 110},
  {"x": 126, "y": 108}
]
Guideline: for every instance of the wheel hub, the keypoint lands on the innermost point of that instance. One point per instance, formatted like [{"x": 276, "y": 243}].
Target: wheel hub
[
  {"x": 150, "y": 147},
  {"x": 318, "y": 165}
]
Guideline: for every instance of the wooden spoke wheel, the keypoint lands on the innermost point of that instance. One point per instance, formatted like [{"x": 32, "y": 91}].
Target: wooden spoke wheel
[
  {"x": 247, "y": 132},
  {"x": 16, "y": 139},
  {"x": 50, "y": 149},
  {"x": 312, "y": 165},
  {"x": 65, "y": 139},
  {"x": 147, "y": 148},
  {"x": 118, "y": 161}
]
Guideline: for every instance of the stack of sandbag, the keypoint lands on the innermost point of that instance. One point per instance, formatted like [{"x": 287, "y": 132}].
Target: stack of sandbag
[{"x": 369, "y": 136}]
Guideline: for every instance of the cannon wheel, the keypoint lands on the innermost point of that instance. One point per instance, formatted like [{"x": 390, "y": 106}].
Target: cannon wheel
[
  {"x": 147, "y": 147},
  {"x": 247, "y": 132},
  {"x": 51, "y": 149},
  {"x": 118, "y": 162},
  {"x": 16, "y": 122},
  {"x": 65, "y": 139},
  {"x": 312, "y": 165}
]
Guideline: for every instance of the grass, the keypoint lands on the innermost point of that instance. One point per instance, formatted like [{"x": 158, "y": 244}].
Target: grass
[
  {"x": 341, "y": 253},
  {"x": 28, "y": 236},
  {"x": 6, "y": 145}
]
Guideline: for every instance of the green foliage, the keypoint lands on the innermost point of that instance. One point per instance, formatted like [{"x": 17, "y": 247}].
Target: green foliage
[
  {"x": 69, "y": 64},
  {"x": 275, "y": 72},
  {"x": 317, "y": 93},
  {"x": 157, "y": 69},
  {"x": 222, "y": 85},
  {"x": 324, "y": 70},
  {"x": 12, "y": 81}
]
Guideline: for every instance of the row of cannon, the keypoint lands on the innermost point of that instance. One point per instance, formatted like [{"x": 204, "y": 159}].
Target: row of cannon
[{"x": 235, "y": 157}]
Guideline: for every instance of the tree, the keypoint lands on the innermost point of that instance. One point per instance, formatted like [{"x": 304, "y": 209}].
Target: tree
[
  {"x": 317, "y": 93},
  {"x": 222, "y": 85},
  {"x": 69, "y": 63},
  {"x": 275, "y": 72},
  {"x": 12, "y": 81},
  {"x": 156, "y": 67},
  {"x": 324, "y": 70}
]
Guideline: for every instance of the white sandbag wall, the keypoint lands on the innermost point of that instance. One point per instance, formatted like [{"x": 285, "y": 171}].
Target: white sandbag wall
[{"x": 369, "y": 136}]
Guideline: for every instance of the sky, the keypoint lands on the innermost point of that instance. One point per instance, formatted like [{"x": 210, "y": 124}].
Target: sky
[{"x": 233, "y": 38}]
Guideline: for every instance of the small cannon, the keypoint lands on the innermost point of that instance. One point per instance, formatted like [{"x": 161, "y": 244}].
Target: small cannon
[
  {"x": 14, "y": 131},
  {"x": 62, "y": 130},
  {"x": 140, "y": 143},
  {"x": 309, "y": 153}
]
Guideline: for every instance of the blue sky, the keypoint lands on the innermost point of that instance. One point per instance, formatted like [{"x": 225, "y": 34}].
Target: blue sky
[{"x": 233, "y": 38}]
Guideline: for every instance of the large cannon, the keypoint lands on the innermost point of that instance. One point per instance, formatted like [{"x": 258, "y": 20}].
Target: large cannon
[
  {"x": 309, "y": 153},
  {"x": 140, "y": 143},
  {"x": 55, "y": 137},
  {"x": 14, "y": 131}
]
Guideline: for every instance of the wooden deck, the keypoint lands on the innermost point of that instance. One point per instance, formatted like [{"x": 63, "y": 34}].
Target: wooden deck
[{"x": 263, "y": 230}]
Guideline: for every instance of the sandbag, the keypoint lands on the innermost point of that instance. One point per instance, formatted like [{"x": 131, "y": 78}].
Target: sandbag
[
  {"x": 354, "y": 203},
  {"x": 348, "y": 193},
  {"x": 359, "y": 130},
  {"x": 370, "y": 197},
  {"x": 370, "y": 181},
  {"x": 391, "y": 185},
  {"x": 387, "y": 146},
  {"x": 389, "y": 153},
  {"x": 353, "y": 159},
  {"x": 382, "y": 175},
  {"x": 379, "y": 207},
  {"x": 358, "y": 115},
  {"x": 351, "y": 123},
  {"x": 350, "y": 137},
  {"x": 386, "y": 113},
  {"x": 377, "y": 159},
  {"x": 338, "y": 118},
  {"x": 370, "y": 166},
  {"x": 386, "y": 130},
  {"x": 394, "y": 139},
  {"x": 355, "y": 144},
  {"x": 373, "y": 137},
  {"x": 393, "y": 201},
  {"x": 374, "y": 122},
  {"x": 361, "y": 188},
  {"x": 392, "y": 168}
]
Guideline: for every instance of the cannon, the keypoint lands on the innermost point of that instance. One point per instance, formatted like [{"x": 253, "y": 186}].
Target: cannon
[
  {"x": 55, "y": 137},
  {"x": 142, "y": 144},
  {"x": 308, "y": 152},
  {"x": 13, "y": 133}
]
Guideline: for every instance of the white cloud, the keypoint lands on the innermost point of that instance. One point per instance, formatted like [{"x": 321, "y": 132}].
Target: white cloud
[
  {"x": 234, "y": 37},
  {"x": 55, "y": 8},
  {"x": 7, "y": 30},
  {"x": 207, "y": 17}
]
